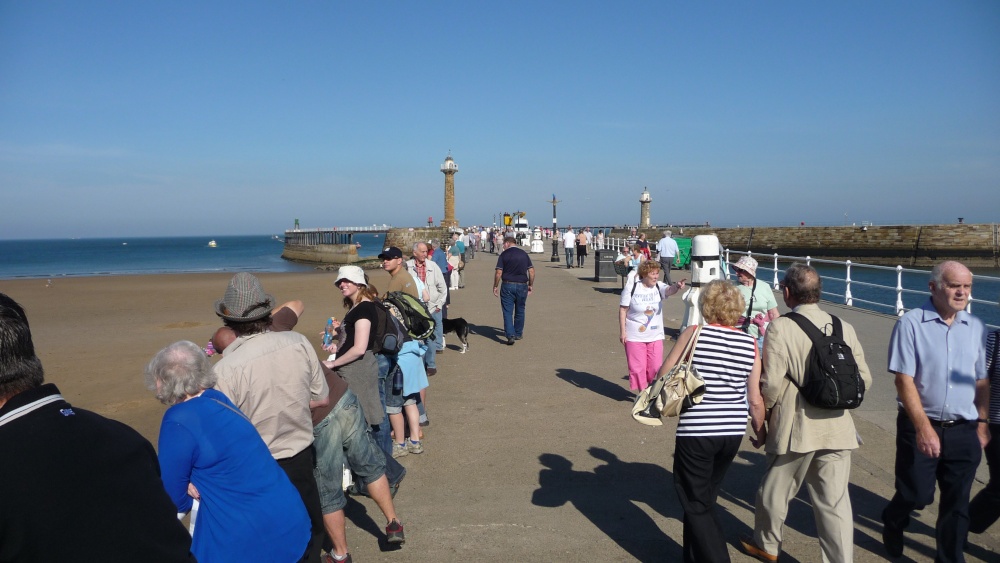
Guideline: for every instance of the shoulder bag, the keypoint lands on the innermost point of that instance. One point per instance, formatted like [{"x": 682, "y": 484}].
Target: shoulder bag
[{"x": 675, "y": 392}]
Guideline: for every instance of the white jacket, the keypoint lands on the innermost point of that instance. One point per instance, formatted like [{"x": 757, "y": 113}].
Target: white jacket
[{"x": 435, "y": 283}]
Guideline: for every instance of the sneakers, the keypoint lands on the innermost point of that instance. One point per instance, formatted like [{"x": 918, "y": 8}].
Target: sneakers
[
  {"x": 328, "y": 558},
  {"x": 431, "y": 371},
  {"x": 758, "y": 553},
  {"x": 398, "y": 450},
  {"x": 413, "y": 447},
  {"x": 510, "y": 342},
  {"x": 394, "y": 532}
]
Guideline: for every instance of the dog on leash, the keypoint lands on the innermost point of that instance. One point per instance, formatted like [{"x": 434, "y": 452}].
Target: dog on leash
[{"x": 461, "y": 329}]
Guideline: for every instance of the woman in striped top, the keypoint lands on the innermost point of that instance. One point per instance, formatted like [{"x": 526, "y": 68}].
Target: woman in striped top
[
  {"x": 709, "y": 433},
  {"x": 985, "y": 507}
]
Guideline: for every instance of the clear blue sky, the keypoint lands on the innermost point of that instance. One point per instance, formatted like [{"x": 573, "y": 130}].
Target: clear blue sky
[{"x": 172, "y": 118}]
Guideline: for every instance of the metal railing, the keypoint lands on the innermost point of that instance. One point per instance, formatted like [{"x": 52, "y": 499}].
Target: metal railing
[{"x": 875, "y": 284}]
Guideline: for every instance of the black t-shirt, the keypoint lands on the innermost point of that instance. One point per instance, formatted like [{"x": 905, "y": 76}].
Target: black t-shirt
[{"x": 363, "y": 310}]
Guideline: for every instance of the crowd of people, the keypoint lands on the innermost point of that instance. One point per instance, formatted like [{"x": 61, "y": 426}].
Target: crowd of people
[
  {"x": 260, "y": 440},
  {"x": 755, "y": 362}
]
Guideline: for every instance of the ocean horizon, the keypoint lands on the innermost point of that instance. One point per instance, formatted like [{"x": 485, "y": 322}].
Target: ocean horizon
[{"x": 76, "y": 257}]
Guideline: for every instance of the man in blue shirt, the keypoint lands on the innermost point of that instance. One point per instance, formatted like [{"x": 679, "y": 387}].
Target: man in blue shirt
[
  {"x": 515, "y": 271},
  {"x": 937, "y": 353},
  {"x": 667, "y": 251}
]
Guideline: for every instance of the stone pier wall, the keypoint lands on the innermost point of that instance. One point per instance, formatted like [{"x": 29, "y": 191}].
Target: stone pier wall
[
  {"x": 976, "y": 245},
  {"x": 404, "y": 239}
]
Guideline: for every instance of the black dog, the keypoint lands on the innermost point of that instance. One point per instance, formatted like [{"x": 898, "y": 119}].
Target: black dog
[{"x": 460, "y": 328}]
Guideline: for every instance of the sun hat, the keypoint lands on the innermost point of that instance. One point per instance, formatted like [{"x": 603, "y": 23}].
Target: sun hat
[
  {"x": 390, "y": 252},
  {"x": 244, "y": 300},
  {"x": 352, "y": 274},
  {"x": 748, "y": 265}
]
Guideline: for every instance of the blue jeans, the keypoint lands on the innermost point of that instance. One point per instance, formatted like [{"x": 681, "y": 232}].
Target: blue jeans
[
  {"x": 393, "y": 470},
  {"x": 430, "y": 357},
  {"x": 513, "y": 297},
  {"x": 344, "y": 436},
  {"x": 569, "y": 257}
]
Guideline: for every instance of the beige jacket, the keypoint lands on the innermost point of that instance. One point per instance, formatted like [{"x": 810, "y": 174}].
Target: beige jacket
[{"x": 793, "y": 424}]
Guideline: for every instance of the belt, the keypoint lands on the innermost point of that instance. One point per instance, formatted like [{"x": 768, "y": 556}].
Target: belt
[
  {"x": 949, "y": 423},
  {"x": 515, "y": 283}
]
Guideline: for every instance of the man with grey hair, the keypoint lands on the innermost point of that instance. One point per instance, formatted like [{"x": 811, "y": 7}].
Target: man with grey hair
[
  {"x": 667, "y": 251},
  {"x": 275, "y": 378},
  {"x": 73, "y": 483},
  {"x": 427, "y": 272},
  {"x": 937, "y": 353},
  {"x": 804, "y": 443}
]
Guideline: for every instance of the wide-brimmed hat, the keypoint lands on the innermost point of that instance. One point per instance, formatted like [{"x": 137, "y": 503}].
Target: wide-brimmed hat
[
  {"x": 244, "y": 300},
  {"x": 353, "y": 274},
  {"x": 748, "y": 265}
]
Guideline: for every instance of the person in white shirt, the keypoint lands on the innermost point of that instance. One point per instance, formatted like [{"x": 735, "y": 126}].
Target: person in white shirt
[{"x": 569, "y": 245}]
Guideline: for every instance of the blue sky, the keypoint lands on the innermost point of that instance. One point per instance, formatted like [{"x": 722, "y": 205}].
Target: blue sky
[{"x": 175, "y": 118}]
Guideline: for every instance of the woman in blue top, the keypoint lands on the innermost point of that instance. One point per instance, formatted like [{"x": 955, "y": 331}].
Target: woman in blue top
[{"x": 249, "y": 509}]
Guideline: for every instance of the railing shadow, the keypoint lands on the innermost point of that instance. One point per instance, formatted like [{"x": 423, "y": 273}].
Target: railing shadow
[
  {"x": 596, "y": 384},
  {"x": 609, "y": 498}
]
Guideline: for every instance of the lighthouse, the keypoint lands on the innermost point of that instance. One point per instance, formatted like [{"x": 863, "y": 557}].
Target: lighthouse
[
  {"x": 449, "y": 168},
  {"x": 644, "y": 200}
]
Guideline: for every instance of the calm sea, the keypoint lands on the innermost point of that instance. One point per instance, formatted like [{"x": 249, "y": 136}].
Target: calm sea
[{"x": 123, "y": 256}]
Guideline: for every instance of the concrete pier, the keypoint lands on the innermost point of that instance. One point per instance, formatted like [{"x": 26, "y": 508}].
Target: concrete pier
[{"x": 531, "y": 454}]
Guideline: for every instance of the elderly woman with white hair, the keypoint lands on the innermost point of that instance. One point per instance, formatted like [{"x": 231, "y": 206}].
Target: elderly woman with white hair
[
  {"x": 208, "y": 449},
  {"x": 762, "y": 307}
]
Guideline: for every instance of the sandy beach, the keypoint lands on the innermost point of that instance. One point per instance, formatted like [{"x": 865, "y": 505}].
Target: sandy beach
[{"x": 94, "y": 335}]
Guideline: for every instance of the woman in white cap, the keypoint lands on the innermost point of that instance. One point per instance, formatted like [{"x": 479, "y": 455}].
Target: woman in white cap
[
  {"x": 762, "y": 307},
  {"x": 355, "y": 360}
]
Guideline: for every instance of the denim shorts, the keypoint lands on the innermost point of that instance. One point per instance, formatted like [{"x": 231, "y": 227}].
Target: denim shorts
[
  {"x": 399, "y": 401},
  {"x": 344, "y": 437}
]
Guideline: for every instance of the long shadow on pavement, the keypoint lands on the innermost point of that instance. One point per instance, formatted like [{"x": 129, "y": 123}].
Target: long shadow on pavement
[
  {"x": 596, "y": 384},
  {"x": 609, "y": 498}
]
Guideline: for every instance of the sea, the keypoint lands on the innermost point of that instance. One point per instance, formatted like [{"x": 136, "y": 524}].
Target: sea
[{"x": 62, "y": 258}]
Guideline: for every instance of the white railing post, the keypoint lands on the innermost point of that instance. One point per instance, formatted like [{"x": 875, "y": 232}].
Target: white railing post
[
  {"x": 808, "y": 260},
  {"x": 848, "y": 300},
  {"x": 899, "y": 291},
  {"x": 777, "y": 284}
]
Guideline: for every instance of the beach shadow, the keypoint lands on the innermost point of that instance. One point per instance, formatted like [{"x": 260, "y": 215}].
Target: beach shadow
[
  {"x": 596, "y": 384},
  {"x": 609, "y": 497},
  {"x": 357, "y": 513}
]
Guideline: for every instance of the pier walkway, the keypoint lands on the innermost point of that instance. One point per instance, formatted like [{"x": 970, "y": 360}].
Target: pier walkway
[{"x": 531, "y": 454}]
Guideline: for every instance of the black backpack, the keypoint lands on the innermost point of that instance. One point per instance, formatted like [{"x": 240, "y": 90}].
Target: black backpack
[
  {"x": 390, "y": 334},
  {"x": 832, "y": 379},
  {"x": 413, "y": 314}
]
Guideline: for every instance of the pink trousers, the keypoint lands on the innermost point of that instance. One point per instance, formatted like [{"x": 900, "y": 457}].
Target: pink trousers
[{"x": 644, "y": 360}]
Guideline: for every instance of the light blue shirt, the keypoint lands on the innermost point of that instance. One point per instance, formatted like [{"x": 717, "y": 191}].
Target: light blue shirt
[
  {"x": 944, "y": 361},
  {"x": 667, "y": 247}
]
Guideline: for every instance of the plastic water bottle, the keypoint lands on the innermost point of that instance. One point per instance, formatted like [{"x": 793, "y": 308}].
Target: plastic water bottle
[{"x": 328, "y": 333}]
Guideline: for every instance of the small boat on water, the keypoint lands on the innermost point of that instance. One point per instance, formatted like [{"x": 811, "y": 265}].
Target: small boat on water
[{"x": 212, "y": 244}]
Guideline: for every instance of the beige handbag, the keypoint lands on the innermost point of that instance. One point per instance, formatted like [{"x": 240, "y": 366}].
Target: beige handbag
[{"x": 675, "y": 392}]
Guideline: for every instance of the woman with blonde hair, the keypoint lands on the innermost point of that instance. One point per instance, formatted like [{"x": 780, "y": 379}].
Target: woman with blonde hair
[
  {"x": 710, "y": 432},
  {"x": 640, "y": 323}
]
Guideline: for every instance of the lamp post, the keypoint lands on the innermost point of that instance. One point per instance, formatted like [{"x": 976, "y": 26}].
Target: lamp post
[{"x": 555, "y": 232}]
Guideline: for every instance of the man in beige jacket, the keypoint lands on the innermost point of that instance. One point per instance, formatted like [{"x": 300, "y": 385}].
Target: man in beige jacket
[{"x": 803, "y": 443}]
